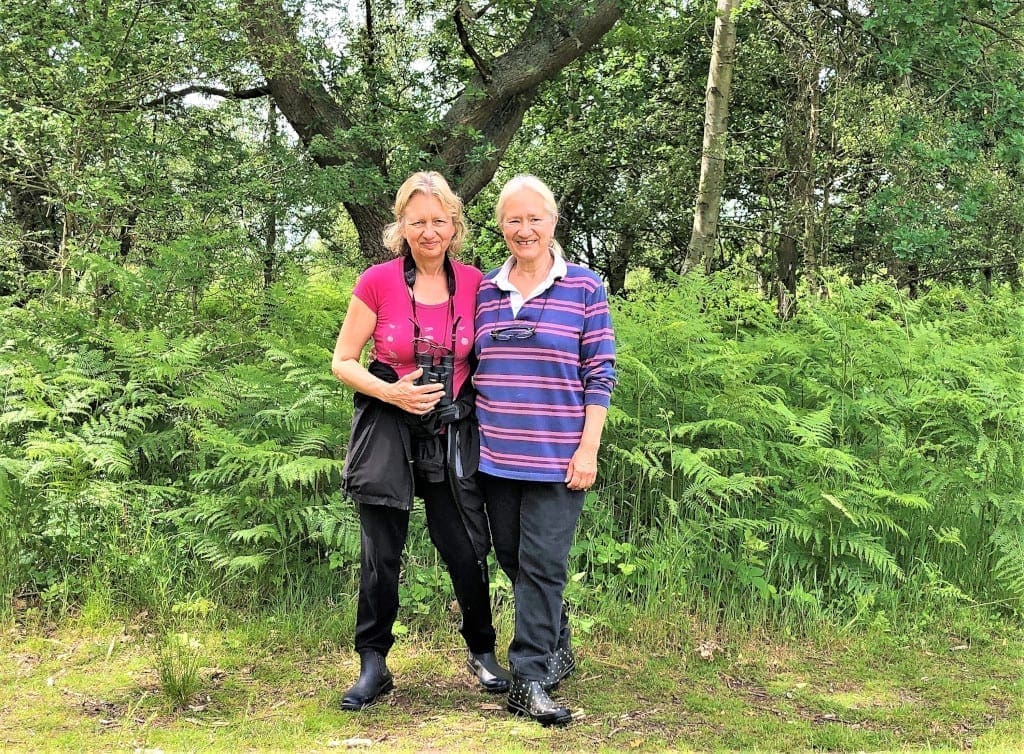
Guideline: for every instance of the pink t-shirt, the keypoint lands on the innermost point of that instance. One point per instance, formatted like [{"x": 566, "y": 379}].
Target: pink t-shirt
[{"x": 383, "y": 289}]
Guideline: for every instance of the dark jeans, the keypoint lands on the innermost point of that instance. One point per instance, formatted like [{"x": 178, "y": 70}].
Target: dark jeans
[
  {"x": 532, "y": 526},
  {"x": 384, "y": 531}
]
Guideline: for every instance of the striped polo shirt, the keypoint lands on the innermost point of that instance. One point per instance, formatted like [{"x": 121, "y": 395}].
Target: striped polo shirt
[{"x": 532, "y": 392}]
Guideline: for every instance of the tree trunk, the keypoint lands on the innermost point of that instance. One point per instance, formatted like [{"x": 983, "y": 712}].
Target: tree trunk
[
  {"x": 1013, "y": 268},
  {"x": 40, "y": 236},
  {"x": 716, "y": 114},
  {"x": 798, "y": 234},
  {"x": 806, "y": 196},
  {"x": 41, "y": 225},
  {"x": 270, "y": 219},
  {"x": 126, "y": 236},
  {"x": 785, "y": 286},
  {"x": 618, "y": 261},
  {"x": 370, "y": 222},
  {"x": 913, "y": 279},
  {"x": 569, "y": 205},
  {"x": 270, "y": 247}
]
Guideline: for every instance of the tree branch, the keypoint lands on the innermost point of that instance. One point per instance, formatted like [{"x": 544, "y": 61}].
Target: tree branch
[
  {"x": 471, "y": 137},
  {"x": 794, "y": 32},
  {"x": 371, "y": 38},
  {"x": 127, "y": 33},
  {"x": 467, "y": 46},
  {"x": 178, "y": 94},
  {"x": 969, "y": 268},
  {"x": 545, "y": 47},
  {"x": 292, "y": 81},
  {"x": 999, "y": 32}
]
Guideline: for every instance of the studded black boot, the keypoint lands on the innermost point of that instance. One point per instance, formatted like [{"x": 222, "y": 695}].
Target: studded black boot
[
  {"x": 374, "y": 681},
  {"x": 492, "y": 677},
  {"x": 529, "y": 698},
  {"x": 560, "y": 666}
]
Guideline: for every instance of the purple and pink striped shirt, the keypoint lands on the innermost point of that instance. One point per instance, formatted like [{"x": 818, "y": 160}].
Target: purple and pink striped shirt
[{"x": 532, "y": 393}]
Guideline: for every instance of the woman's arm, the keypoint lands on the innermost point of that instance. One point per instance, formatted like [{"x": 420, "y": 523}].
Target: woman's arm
[
  {"x": 597, "y": 374},
  {"x": 582, "y": 472},
  {"x": 356, "y": 331}
]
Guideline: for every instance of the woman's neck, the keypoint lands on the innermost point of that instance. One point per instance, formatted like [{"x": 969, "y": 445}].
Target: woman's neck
[
  {"x": 535, "y": 269},
  {"x": 431, "y": 286},
  {"x": 430, "y": 268}
]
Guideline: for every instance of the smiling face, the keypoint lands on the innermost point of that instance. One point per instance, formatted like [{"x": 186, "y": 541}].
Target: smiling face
[
  {"x": 427, "y": 227},
  {"x": 527, "y": 225}
]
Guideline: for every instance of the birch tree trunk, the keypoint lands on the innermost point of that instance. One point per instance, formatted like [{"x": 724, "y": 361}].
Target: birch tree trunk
[{"x": 716, "y": 114}]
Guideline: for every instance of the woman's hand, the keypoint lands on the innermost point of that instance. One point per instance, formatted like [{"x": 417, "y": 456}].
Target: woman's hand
[
  {"x": 413, "y": 398},
  {"x": 582, "y": 471}
]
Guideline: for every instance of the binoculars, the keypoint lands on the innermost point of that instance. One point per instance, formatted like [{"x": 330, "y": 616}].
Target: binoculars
[{"x": 442, "y": 372}]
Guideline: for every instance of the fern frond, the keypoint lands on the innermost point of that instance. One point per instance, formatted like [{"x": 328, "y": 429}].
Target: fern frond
[{"x": 1008, "y": 541}]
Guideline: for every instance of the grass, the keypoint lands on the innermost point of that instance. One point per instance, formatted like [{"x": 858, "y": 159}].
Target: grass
[{"x": 272, "y": 684}]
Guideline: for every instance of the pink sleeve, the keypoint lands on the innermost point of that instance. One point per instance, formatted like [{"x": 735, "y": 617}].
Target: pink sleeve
[
  {"x": 367, "y": 288},
  {"x": 378, "y": 283},
  {"x": 469, "y": 278}
]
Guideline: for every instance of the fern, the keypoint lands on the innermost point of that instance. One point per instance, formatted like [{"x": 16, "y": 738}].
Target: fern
[
  {"x": 1008, "y": 541},
  {"x": 871, "y": 445}
]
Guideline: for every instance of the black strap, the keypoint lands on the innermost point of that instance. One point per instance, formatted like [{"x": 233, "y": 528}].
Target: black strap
[{"x": 409, "y": 272}]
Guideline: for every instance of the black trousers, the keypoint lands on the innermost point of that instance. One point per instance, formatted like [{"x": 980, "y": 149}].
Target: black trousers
[
  {"x": 383, "y": 534},
  {"x": 532, "y": 527}
]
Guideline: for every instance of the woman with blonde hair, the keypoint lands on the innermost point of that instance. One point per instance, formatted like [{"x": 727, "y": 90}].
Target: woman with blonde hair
[{"x": 413, "y": 428}]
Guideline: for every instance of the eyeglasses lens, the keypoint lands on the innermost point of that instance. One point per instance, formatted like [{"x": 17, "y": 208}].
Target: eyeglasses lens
[
  {"x": 426, "y": 345},
  {"x": 513, "y": 332}
]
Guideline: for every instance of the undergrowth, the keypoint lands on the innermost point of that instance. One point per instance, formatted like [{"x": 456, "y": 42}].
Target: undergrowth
[{"x": 856, "y": 465}]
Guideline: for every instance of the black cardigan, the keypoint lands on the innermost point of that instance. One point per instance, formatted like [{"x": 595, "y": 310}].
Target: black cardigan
[{"x": 384, "y": 456}]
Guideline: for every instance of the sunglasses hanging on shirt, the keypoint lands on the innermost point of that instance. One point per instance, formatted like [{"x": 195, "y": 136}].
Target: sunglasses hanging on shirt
[{"x": 518, "y": 331}]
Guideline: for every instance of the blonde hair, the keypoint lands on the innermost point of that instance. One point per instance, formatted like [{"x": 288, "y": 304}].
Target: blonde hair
[
  {"x": 432, "y": 184},
  {"x": 527, "y": 182}
]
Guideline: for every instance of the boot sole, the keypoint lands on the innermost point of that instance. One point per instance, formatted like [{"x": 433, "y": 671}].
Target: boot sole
[
  {"x": 545, "y": 720},
  {"x": 502, "y": 689},
  {"x": 359, "y": 706}
]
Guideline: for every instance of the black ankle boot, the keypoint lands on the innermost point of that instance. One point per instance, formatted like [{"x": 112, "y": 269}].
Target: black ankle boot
[
  {"x": 529, "y": 698},
  {"x": 560, "y": 666},
  {"x": 493, "y": 678},
  {"x": 374, "y": 680}
]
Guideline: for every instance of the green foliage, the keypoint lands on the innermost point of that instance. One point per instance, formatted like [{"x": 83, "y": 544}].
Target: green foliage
[
  {"x": 842, "y": 454},
  {"x": 863, "y": 455},
  {"x": 166, "y": 411},
  {"x": 127, "y": 454}
]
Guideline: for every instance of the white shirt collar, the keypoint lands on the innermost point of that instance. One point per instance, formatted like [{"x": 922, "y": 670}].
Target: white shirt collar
[{"x": 558, "y": 270}]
